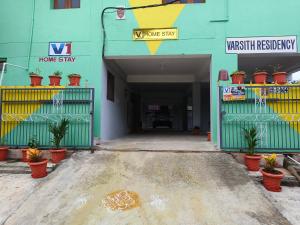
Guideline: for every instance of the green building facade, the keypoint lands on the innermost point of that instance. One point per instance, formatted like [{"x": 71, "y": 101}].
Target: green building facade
[{"x": 28, "y": 26}]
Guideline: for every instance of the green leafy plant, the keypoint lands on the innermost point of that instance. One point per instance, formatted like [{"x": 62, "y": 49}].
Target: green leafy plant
[
  {"x": 33, "y": 142},
  {"x": 240, "y": 72},
  {"x": 58, "y": 131},
  {"x": 57, "y": 73},
  {"x": 34, "y": 155},
  {"x": 276, "y": 68},
  {"x": 74, "y": 75},
  {"x": 270, "y": 163},
  {"x": 251, "y": 139},
  {"x": 36, "y": 73},
  {"x": 258, "y": 70}
]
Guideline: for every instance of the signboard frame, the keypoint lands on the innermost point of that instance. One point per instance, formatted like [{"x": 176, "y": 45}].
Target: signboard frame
[
  {"x": 157, "y": 31},
  {"x": 239, "y": 93},
  {"x": 264, "y": 41}
]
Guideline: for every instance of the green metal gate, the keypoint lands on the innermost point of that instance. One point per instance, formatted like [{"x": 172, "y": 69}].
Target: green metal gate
[
  {"x": 27, "y": 112},
  {"x": 272, "y": 109}
]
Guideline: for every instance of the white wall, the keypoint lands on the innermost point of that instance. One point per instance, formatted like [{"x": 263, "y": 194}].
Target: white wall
[{"x": 113, "y": 114}]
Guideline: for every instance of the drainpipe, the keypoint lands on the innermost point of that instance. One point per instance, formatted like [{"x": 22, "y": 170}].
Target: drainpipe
[{"x": 31, "y": 34}]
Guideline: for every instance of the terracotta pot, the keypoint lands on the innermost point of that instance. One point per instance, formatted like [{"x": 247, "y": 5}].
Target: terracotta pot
[
  {"x": 36, "y": 80},
  {"x": 54, "y": 80},
  {"x": 24, "y": 155},
  {"x": 238, "y": 78},
  {"x": 196, "y": 131},
  {"x": 208, "y": 136},
  {"x": 3, "y": 153},
  {"x": 38, "y": 169},
  {"x": 252, "y": 162},
  {"x": 74, "y": 80},
  {"x": 260, "y": 77},
  {"x": 279, "y": 77},
  {"x": 272, "y": 181},
  {"x": 57, "y": 155}
]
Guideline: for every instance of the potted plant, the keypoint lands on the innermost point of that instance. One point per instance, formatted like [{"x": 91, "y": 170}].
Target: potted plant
[
  {"x": 238, "y": 77},
  {"x": 3, "y": 150},
  {"x": 252, "y": 160},
  {"x": 279, "y": 77},
  {"x": 55, "y": 78},
  {"x": 36, "y": 162},
  {"x": 208, "y": 136},
  {"x": 196, "y": 130},
  {"x": 36, "y": 78},
  {"x": 74, "y": 79},
  {"x": 32, "y": 144},
  {"x": 271, "y": 177},
  {"x": 24, "y": 155},
  {"x": 58, "y": 131},
  {"x": 260, "y": 76}
]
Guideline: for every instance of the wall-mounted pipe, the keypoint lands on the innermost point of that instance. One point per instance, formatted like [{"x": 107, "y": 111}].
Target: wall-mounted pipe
[{"x": 31, "y": 33}]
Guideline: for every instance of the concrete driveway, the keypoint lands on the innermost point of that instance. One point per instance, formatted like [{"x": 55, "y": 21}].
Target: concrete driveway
[
  {"x": 160, "y": 141},
  {"x": 159, "y": 188}
]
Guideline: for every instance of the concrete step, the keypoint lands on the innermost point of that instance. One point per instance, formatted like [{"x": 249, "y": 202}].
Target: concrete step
[{"x": 17, "y": 167}]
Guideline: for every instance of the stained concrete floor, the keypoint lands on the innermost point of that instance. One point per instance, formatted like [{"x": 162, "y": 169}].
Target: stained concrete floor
[
  {"x": 160, "y": 141},
  {"x": 174, "y": 188}
]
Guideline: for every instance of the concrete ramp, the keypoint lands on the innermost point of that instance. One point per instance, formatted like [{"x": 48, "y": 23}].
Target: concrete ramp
[
  {"x": 143, "y": 188},
  {"x": 160, "y": 142}
]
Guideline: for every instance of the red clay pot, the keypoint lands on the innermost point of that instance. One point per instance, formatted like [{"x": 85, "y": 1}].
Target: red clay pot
[
  {"x": 3, "y": 153},
  {"x": 208, "y": 136},
  {"x": 238, "y": 78},
  {"x": 279, "y": 77},
  {"x": 38, "y": 169},
  {"x": 196, "y": 131},
  {"x": 24, "y": 155},
  {"x": 54, "y": 80},
  {"x": 36, "y": 80},
  {"x": 252, "y": 162},
  {"x": 272, "y": 181},
  {"x": 260, "y": 77},
  {"x": 74, "y": 80},
  {"x": 57, "y": 155}
]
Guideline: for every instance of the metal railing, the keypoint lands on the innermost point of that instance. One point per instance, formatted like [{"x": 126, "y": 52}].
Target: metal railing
[
  {"x": 272, "y": 109},
  {"x": 27, "y": 112},
  {"x": 9, "y": 64}
]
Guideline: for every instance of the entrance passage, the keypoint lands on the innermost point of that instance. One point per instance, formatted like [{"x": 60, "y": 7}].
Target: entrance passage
[
  {"x": 160, "y": 141},
  {"x": 157, "y": 96}
]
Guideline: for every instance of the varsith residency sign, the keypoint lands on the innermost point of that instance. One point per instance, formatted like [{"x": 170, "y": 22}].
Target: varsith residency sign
[{"x": 248, "y": 45}]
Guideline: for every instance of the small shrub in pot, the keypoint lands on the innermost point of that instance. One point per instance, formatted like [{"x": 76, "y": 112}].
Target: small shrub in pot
[
  {"x": 252, "y": 160},
  {"x": 58, "y": 130},
  {"x": 271, "y": 177},
  {"x": 35, "y": 159}
]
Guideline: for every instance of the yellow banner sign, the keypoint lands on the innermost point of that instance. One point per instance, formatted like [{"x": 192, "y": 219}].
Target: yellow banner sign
[{"x": 155, "y": 34}]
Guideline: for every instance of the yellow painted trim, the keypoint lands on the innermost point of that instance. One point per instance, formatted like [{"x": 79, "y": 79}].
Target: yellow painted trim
[
  {"x": 288, "y": 111},
  {"x": 159, "y": 17},
  {"x": 23, "y": 110}
]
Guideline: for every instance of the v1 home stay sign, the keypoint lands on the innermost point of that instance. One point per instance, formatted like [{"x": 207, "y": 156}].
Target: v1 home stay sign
[
  {"x": 59, "y": 52},
  {"x": 60, "y": 48},
  {"x": 252, "y": 45}
]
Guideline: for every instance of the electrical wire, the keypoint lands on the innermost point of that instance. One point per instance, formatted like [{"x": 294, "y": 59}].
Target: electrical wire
[{"x": 126, "y": 8}]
